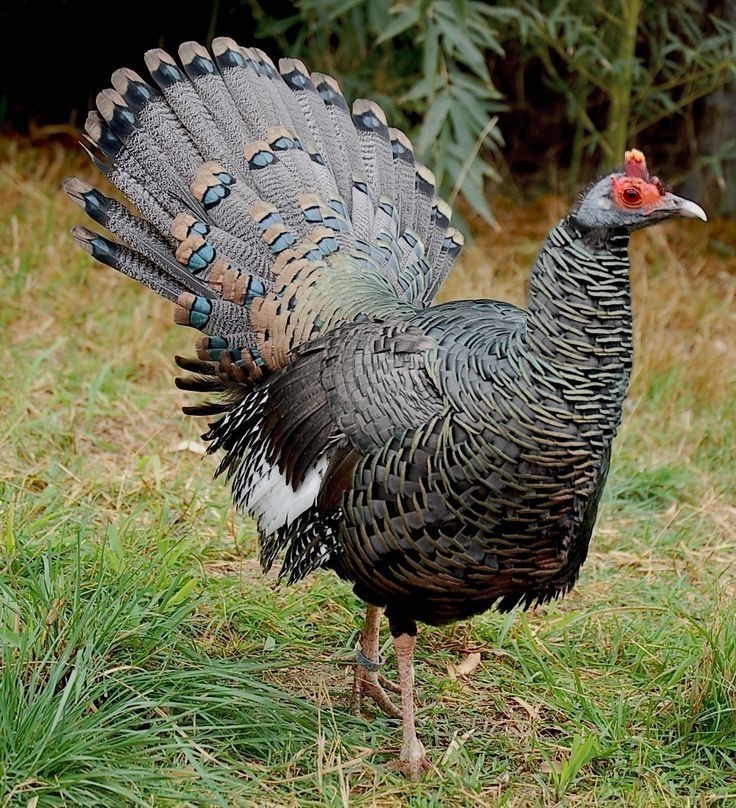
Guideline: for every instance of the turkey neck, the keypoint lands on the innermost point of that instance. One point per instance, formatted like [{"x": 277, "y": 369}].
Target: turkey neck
[{"x": 579, "y": 306}]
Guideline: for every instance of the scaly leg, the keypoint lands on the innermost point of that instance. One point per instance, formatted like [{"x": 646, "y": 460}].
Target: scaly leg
[
  {"x": 413, "y": 759},
  {"x": 367, "y": 681}
]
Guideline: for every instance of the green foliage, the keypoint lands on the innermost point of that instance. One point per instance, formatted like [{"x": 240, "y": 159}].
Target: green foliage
[
  {"x": 612, "y": 71},
  {"x": 104, "y": 700},
  {"x": 636, "y": 63}
]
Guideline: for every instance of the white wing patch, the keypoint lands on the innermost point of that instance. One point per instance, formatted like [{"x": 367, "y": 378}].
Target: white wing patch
[{"x": 263, "y": 492}]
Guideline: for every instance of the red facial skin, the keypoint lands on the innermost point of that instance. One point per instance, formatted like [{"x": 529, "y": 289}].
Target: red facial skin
[{"x": 635, "y": 189}]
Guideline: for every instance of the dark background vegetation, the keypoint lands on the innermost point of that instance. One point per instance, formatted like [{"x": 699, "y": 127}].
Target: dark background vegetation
[{"x": 571, "y": 88}]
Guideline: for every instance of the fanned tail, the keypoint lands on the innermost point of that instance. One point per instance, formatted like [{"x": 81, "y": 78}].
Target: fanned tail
[{"x": 264, "y": 206}]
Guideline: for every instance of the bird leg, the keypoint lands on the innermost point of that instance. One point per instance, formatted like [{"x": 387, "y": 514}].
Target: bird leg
[
  {"x": 413, "y": 760},
  {"x": 367, "y": 680}
]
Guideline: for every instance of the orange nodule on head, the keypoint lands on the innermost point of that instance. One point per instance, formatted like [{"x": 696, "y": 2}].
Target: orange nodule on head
[{"x": 635, "y": 164}]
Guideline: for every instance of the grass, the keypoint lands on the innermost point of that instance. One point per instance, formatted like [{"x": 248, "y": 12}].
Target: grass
[{"x": 145, "y": 660}]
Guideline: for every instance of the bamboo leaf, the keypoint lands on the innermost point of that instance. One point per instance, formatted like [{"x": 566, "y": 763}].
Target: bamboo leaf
[
  {"x": 434, "y": 120},
  {"x": 401, "y": 22}
]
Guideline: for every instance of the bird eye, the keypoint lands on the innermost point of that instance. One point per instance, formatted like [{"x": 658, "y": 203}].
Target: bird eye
[{"x": 631, "y": 196}]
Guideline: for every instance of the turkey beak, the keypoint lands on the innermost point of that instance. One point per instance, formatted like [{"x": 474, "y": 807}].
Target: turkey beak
[{"x": 677, "y": 206}]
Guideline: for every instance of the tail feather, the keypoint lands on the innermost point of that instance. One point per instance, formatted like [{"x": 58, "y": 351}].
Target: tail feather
[
  {"x": 283, "y": 104},
  {"x": 212, "y": 348},
  {"x": 346, "y": 158},
  {"x": 241, "y": 76},
  {"x": 405, "y": 172},
  {"x": 271, "y": 115},
  {"x": 424, "y": 184},
  {"x": 194, "y": 118},
  {"x": 387, "y": 218},
  {"x": 169, "y": 282},
  {"x": 153, "y": 136},
  {"x": 141, "y": 159},
  {"x": 272, "y": 181},
  {"x": 202, "y": 247},
  {"x": 320, "y": 128},
  {"x": 254, "y": 81},
  {"x": 213, "y": 92},
  {"x": 375, "y": 148},
  {"x": 251, "y": 78},
  {"x": 194, "y": 384},
  {"x": 303, "y": 168},
  {"x": 233, "y": 209},
  {"x": 112, "y": 214},
  {"x": 363, "y": 208},
  {"x": 154, "y": 203},
  {"x": 209, "y": 314},
  {"x": 450, "y": 249},
  {"x": 439, "y": 223}
]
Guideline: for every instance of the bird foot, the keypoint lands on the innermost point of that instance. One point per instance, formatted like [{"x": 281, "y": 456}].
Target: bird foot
[
  {"x": 371, "y": 683},
  {"x": 413, "y": 761}
]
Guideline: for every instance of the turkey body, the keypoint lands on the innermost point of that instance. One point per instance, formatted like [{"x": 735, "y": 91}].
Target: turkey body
[
  {"x": 466, "y": 509},
  {"x": 442, "y": 459},
  {"x": 466, "y": 445}
]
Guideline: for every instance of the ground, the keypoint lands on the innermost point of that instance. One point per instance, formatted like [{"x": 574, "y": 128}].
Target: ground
[{"x": 145, "y": 659}]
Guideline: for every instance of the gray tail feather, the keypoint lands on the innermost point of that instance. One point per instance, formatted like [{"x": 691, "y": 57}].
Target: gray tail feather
[{"x": 239, "y": 173}]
